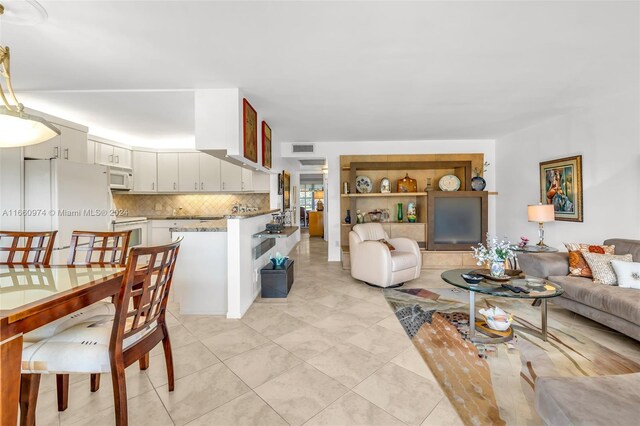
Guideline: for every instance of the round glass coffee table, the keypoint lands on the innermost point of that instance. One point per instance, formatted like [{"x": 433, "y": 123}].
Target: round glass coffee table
[{"x": 544, "y": 290}]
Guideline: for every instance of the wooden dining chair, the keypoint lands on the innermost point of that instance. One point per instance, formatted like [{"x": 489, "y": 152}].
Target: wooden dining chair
[
  {"x": 110, "y": 347},
  {"x": 88, "y": 248},
  {"x": 26, "y": 248}
]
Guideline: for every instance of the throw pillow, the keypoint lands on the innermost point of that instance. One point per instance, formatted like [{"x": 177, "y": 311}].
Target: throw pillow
[
  {"x": 600, "y": 265},
  {"x": 628, "y": 273},
  {"x": 388, "y": 244},
  {"x": 578, "y": 266}
]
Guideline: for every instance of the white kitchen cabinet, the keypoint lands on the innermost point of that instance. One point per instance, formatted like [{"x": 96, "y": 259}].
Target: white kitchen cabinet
[
  {"x": 230, "y": 177},
  {"x": 189, "y": 171},
  {"x": 209, "y": 172},
  {"x": 160, "y": 229},
  {"x": 168, "y": 176},
  {"x": 145, "y": 171},
  {"x": 71, "y": 145},
  {"x": 261, "y": 181},
  {"x": 114, "y": 156},
  {"x": 247, "y": 179}
]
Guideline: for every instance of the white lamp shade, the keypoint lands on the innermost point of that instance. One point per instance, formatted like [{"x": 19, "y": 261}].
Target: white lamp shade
[
  {"x": 22, "y": 129},
  {"x": 541, "y": 213}
]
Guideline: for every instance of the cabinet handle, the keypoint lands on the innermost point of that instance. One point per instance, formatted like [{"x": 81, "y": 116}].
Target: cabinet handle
[
  {"x": 118, "y": 159},
  {"x": 201, "y": 186},
  {"x": 111, "y": 158},
  {"x": 56, "y": 152},
  {"x": 153, "y": 186},
  {"x": 66, "y": 153},
  {"x": 175, "y": 186},
  {"x": 195, "y": 186},
  {"x": 222, "y": 185}
]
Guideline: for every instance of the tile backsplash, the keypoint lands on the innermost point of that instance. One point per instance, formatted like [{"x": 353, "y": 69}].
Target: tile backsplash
[{"x": 186, "y": 204}]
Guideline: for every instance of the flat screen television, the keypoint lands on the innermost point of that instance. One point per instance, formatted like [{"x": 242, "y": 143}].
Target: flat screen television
[{"x": 457, "y": 220}]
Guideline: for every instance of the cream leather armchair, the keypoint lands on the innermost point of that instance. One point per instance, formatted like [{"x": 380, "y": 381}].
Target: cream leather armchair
[{"x": 373, "y": 262}]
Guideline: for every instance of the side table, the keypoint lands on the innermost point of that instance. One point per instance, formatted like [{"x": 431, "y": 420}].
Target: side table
[{"x": 276, "y": 282}]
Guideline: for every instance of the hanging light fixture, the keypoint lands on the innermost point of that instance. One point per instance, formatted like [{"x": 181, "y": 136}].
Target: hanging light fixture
[{"x": 18, "y": 128}]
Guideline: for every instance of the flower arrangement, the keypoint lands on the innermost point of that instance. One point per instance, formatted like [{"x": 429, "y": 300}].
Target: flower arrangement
[
  {"x": 481, "y": 171},
  {"x": 524, "y": 241},
  {"x": 495, "y": 254}
]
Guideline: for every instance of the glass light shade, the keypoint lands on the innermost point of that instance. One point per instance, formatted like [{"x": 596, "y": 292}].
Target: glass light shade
[
  {"x": 541, "y": 213},
  {"x": 22, "y": 129},
  {"x": 318, "y": 195}
]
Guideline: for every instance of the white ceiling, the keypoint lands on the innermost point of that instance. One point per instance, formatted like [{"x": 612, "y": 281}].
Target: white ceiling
[{"x": 326, "y": 71}]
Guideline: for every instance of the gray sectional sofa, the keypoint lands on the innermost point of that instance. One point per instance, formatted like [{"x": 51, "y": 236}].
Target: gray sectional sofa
[{"x": 615, "y": 307}]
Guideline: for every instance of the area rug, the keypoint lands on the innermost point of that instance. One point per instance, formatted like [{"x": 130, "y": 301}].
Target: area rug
[{"x": 495, "y": 384}]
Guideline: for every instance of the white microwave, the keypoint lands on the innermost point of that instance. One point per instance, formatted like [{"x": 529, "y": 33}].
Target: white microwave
[{"x": 120, "y": 179}]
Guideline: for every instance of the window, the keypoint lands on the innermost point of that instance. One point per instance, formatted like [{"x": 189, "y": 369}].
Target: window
[{"x": 306, "y": 196}]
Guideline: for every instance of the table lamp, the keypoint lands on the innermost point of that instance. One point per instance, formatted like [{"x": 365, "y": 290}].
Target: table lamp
[
  {"x": 541, "y": 213},
  {"x": 319, "y": 196}
]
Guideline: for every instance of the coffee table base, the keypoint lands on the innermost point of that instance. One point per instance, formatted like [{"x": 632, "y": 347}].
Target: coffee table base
[{"x": 485, "y": 339}]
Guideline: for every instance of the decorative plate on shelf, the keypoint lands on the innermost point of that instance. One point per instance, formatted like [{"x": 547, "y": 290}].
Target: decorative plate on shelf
[
  {"x": 449, "y": 183},
  {"x": 363, "y": 185}
]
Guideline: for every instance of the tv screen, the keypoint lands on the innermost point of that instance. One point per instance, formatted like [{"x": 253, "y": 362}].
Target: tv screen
[{"x": 458, "y": 220}]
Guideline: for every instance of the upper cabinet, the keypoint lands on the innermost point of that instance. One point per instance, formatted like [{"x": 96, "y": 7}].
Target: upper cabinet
[
  {"x": 230, "y": 177},
  {"x": 71, "y": 145},
  {"x": 110, "y": 155},
  {"x": 261, "y": 181},
  {"x": 189, "y": 171},
  {"x": 247, "y": 179},
  {"x": 168, "y": 175},
  {"x": 145, "y": 171},
  {"x": 209, "y": 172}
]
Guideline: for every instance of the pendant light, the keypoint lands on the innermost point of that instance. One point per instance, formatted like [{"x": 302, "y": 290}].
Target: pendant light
[{"x": 18, "y": 128}]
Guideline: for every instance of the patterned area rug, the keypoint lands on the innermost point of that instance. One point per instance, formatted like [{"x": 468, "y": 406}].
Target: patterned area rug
[{"x": 494, "y": 384}]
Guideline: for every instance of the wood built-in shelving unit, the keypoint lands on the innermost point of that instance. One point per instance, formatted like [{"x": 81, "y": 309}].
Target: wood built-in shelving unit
[{"x": 395, "y": 167}]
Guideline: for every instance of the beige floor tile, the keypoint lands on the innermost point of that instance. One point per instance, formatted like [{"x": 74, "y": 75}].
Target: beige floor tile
[
  {"x": 443, "y": 415},
  {"x": 353, "y": 410},
  {"x": 306, "y": 342},
  {"x": 47, "y": 408},
  {"x": 300, "y": 393},
  {"x": 401, "y": 393},
  {"x": 411, "y": 360},
  {"x": 186, "y": 360},
  {"x": 145, "y": 409},
  {"x": 339, "y": 301},
  {"x": 258, "y": 365},
  {"x": 391, "y": 323},
  {"x": 234, "y": 342},
  {"x": 201, "y": 392},
  {"x": 341, "y": 325},
  {"x": 369, "y": 313},
  {"x": 381, "y": 342},
  {"x": 179, "y": 337},
  {"x": 308, "y": 312},
  {"x": 246, "y": 410},
  {"x": 347, "y": 363},
  {"x": 277, "y": 325},
  {"x": 207, "y": 326}
]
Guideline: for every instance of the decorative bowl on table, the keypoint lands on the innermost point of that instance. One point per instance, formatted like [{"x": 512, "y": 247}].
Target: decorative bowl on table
[
  {"x": 472, "y": 278},
  {"x": 497, "y": 319}
]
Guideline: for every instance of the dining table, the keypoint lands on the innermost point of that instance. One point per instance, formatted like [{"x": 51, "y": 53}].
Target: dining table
[{"x": 32, "y": 296}]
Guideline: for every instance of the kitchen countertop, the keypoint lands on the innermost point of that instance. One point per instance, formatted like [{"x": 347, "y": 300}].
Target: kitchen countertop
[
  {"x": 128, "y": 219},
  {"x": 286, "y": 232},
  {"x": 219, "y": 225},
  {"x": 214, "y": 216}
]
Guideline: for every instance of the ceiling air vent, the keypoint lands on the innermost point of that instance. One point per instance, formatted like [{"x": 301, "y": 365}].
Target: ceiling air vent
[
  {"x": 302, "y": 148},
  {"x": 314, "y": 162}
]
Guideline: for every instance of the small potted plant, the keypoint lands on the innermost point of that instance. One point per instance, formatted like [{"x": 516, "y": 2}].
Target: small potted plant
[
  {"x": 494, "y": 254},
  {"x": 477, "y": 182}
]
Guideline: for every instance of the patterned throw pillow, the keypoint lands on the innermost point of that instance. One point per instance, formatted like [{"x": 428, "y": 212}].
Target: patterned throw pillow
[
  {"x": 600, "y": 265},
  {"x": 628, "y": 273},
  {"x": 388, "y": 244},
  {"x": 578, "y": 266}
]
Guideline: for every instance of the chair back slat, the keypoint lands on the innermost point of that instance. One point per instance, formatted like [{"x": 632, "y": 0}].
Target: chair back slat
[
  {"x": 141, "y": 303},
  {"x": 26, "y": 248},
  {"x": 99, "y": 248}
]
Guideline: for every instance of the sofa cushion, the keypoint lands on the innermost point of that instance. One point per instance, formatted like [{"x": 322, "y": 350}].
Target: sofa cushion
[
  {"x": 631, "y": 247},
  {"x": 621, "y": 302},
  {"x": 600, "y": 265},
  {"x": 602, "y": 400},
  {"x": 402, "y": 260}
]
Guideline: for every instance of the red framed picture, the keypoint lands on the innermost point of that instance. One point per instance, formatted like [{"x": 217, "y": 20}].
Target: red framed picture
[
  {"x": 250, "y": 131},
  {"x": 266, "y": 145}
]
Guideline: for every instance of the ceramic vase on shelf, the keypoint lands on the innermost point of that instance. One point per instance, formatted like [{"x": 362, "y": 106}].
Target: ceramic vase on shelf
[
  {"x": 347, "y": 218},
  {"x": 497, "y": 268},
  {"x": 478, "y": 183},
  {"x": 411, "y": 212},
  {"x": 400, "y": 217}
]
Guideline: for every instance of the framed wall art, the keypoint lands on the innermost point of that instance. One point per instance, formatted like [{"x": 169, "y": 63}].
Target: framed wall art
[
  {"x": 250, "y": 131},
  {"x": 286, "y": 190},
  {"x": 266, "y": 145},
  {"x": 561, "y": 185}
]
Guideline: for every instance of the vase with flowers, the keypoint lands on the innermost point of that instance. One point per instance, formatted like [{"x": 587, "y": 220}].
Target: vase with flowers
[{"x": 494, "y": 254}]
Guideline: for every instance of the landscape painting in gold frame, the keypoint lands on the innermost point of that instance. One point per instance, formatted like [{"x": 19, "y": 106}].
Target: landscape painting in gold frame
[
  {"x": 561, "y": 185},
  {"x": 266, "y": 145}
]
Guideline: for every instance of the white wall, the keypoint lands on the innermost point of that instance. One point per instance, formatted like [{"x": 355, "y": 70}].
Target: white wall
[
  {"x": 10, "y": 188},
  {"x": 608, "y": 137},
  {"x": 333, "y": 150}
]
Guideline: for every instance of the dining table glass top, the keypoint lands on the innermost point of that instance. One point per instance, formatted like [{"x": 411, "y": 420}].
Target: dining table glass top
[{"x": 23, "y": 285}]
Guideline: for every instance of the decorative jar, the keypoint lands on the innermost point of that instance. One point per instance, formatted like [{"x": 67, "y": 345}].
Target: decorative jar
[{"x": 497, "y": 268}]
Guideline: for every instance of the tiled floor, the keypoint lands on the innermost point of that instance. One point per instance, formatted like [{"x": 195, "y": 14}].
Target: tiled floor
[{"x": 331, "y": 354}]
